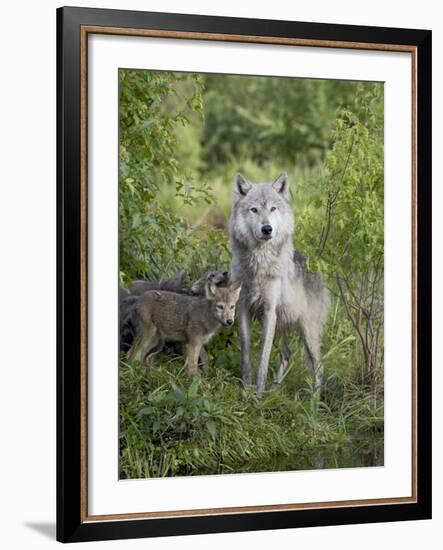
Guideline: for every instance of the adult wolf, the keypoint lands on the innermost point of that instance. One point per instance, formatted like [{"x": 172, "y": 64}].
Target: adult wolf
[{"x": 276, "y": 287}]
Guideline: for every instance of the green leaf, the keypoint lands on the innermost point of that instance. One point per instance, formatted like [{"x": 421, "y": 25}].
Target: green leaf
[
  {"x": 178, "y": 393},
  {"x": 193, "y": 389},
  {"x": 212, "y": 428},
  {"x": 145, "y": 411}
]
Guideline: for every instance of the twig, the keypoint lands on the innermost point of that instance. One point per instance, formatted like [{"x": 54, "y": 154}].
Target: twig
[
  {"x": 331, "y": 202},
  {"x": 351, "y": 317}
]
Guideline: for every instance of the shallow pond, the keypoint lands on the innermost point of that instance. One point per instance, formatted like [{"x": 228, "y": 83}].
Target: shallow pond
[{"x": 359, "y": 452}]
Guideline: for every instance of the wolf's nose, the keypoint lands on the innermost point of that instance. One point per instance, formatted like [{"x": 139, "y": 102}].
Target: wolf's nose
[
  {"x": 229, "y": 321},
  {"x": 266, "y": 229}
]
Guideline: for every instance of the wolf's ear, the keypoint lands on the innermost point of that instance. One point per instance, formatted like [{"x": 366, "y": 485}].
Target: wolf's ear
[
  {"x": 241, "y": 185},
  {"x": 281, "y": 185},
  {"x": 180, "y": 277},
  {"x": 235, "y": 289},
  {"x": 210, "y": 289}
]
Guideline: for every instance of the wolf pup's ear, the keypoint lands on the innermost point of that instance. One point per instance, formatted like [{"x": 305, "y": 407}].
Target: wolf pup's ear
[
  {"x": 180, "y": 277},
  {"x": 281, "y": 185},
  {"x": 235, "y": 289},
  {"x": 241, "y": 185},
  {"x": 210, "y": 289}
]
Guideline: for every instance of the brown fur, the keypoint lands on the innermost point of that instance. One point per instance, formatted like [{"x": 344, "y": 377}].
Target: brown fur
[{"x": 190, "y": 320}]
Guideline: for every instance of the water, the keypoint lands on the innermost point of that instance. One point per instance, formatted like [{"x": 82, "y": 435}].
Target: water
[{"x": 357, "y": 453}]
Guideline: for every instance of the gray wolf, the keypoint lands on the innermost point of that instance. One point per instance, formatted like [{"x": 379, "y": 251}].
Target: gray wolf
[
  {"x": 128, "y": 298},
  {"x": 276, "y": 287},
  {"x": 174, "y": 284},
  {"x": 191, "y": 320},
  {"x": 216, "y": 277}
]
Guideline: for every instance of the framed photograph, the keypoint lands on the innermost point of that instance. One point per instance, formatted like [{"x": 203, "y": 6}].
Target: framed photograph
[{"x": 244, "y": 274}]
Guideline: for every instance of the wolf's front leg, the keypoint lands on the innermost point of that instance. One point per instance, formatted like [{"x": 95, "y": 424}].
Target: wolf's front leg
[
  {"x": 269, "y": 322},
  {"x": 192, "y": 355},
  {"x": 244, "y": 321},
  {"x": 204, "y": 360}
]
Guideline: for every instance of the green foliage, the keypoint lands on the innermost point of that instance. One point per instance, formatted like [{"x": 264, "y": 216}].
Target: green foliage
[
  {"x": 171, "y": 425},
  {"x": 348, "y": 235},
  {"x": 259, "y": 119},
  {"x": 343, "y": 225},
  {"x": 155, "y": 239}
]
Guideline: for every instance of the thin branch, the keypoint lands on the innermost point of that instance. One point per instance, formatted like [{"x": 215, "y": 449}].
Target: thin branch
[
  {"x": 331, "y": 203},
  {"x": 352, "y": 319}
]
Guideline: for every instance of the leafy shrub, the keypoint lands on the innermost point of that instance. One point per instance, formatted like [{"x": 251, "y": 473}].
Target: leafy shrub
[
  {"x": 154, "y": 239},
  {"x": 344, "y": 227}
]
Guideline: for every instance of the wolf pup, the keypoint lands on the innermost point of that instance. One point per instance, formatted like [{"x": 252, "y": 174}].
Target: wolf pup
[
  {"x": 128, "y": 299},
  {"x": 276, "y": 287},
  {"x": 192, "y": 320}
]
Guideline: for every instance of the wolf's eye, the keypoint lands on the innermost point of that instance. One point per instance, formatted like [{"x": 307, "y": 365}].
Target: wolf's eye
[
  {"x": 273, "y": 208},
  {"x": 219, "y": 306},
  {"x": 232, "y": 307},
  {"x": 254, "y": 210}
]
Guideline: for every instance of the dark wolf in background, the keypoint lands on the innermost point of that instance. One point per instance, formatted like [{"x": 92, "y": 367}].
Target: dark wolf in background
[
  {"x": 174, "y": 284},
  {"x": 276, "y": 287}
]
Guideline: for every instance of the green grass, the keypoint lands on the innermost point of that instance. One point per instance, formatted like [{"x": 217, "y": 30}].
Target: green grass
[{"x": 174, "y": 425}]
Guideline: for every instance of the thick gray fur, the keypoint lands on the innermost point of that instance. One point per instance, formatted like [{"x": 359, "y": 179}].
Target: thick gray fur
[
  {"x": 174, "y": 284},
  {"x": 276, "y": 287}
]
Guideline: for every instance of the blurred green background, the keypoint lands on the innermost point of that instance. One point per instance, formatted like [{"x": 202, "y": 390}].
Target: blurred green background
[{"x": 182, "y": 138}]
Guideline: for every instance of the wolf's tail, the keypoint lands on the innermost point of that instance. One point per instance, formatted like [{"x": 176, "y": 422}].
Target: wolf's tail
[{"x": 128, "y": 323}]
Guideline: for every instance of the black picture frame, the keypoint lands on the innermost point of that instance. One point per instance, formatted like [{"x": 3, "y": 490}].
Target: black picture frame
[{"x": 71, "y": 523}]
